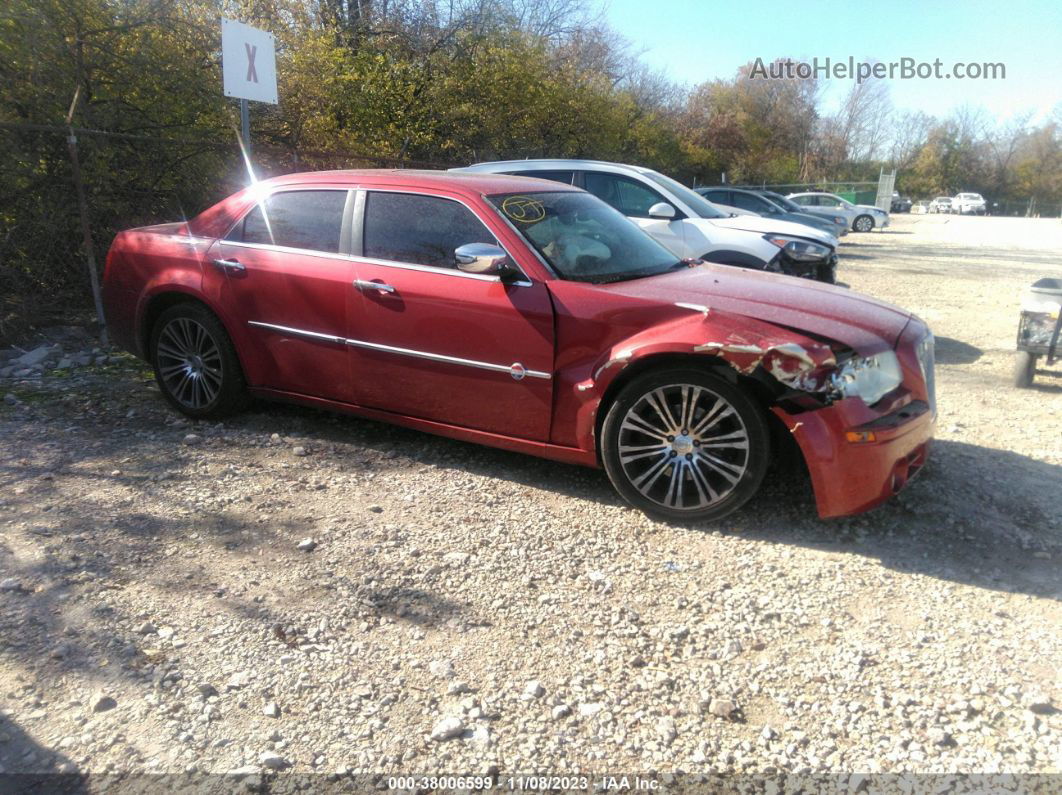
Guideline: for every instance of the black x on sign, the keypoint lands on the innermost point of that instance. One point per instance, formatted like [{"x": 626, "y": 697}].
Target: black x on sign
[
  {"x": 248, "y": 62},
  {"x": 252, "y": 75}
]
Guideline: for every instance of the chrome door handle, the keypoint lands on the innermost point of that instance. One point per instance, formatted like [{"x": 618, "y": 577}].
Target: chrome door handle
[
  {"x": 363, "y": 285},
  {"x": 230, "y": 265}
]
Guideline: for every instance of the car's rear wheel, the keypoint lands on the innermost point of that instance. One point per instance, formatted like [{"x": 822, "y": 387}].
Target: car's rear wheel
[
  {"x": 1024, "y": 369},
  {"x": 864, "y": 223},
  {"x": 196, "y": 366},
  {"x": 685, "y": 445}
]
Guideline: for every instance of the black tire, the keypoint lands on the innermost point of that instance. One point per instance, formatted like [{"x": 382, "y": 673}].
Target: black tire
[
  {"x": 196, "y": 366},
  {"x": 863, "y": 223},
  {"x": 707, "y": 489},
  {"x": 1024, "y": 369},
  {"x": 826, "y": 274}
]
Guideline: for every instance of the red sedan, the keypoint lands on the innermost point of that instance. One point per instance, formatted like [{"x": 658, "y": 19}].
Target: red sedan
[{"x": 531, "y": 316}]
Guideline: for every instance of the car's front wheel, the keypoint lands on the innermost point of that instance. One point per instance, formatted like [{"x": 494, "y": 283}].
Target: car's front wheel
[
  {"x": 685, "y": 445},
  {"x": 863, "y": 223},
  {"x": 196, "y": 366}
]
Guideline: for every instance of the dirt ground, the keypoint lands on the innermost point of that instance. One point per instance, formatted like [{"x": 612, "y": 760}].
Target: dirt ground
[{"x": 465, "y": 610}]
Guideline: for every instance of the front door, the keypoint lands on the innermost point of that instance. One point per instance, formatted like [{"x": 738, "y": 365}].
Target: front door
[
  {"x": 287, "y": 287},
  {"x": 432, "y": 342}
]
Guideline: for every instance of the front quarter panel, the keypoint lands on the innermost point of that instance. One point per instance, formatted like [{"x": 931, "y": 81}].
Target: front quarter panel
[{"x": 601, "y": 335}]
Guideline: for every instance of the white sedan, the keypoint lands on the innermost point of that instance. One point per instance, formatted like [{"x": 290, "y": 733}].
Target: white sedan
[{"x": 968, "y": 203}]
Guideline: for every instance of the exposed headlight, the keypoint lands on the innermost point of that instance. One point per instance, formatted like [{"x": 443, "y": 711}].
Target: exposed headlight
[
  {"x": 797, "y": 249},
  {"x": 870, "y": 377}
]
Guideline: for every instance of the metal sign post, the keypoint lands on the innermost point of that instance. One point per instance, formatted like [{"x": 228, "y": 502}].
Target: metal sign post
[{"x": 248, "y": 69}]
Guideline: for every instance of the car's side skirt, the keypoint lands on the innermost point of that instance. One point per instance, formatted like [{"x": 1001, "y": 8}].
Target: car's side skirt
[{"x": 567, "y": 455}]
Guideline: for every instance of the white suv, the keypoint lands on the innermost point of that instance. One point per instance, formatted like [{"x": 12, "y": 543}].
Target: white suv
[
  {"x": 972, "y": 203},
  {"x": 687, "y": 223}
]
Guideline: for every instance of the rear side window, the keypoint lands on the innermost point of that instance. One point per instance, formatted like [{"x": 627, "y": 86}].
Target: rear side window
[
  {"x": 717, "y": 196},
  {"x": 308, "y": 219},
  {"x": 746, "y": 201},
  {"x": 567, "y": 177},
  {"x": 420, "y": 230}
]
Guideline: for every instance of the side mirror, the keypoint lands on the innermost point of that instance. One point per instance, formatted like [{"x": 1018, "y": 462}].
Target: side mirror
[
  {"x": 663, "y": 211},
  {"x": 485, "y": 258}
]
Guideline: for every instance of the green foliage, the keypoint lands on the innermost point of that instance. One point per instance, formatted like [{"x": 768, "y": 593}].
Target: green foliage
[{"x": 441, "y": 82}]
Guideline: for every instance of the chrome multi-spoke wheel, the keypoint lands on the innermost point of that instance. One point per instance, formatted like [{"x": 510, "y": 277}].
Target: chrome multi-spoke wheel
[
  {"x": 195, "y": 364},
  {"x": 685, "y": 445},
  {"x": 189, "y": 362},
  {"x": 864, "y": 223}
]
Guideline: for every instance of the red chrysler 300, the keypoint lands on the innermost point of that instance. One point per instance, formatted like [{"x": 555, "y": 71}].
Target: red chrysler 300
[{"x": 531, "y": 316}]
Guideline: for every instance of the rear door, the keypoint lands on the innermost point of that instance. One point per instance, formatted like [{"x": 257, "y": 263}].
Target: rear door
[
  {"x": 287, "y": 289},
  {"x": 433, "y": 342}
]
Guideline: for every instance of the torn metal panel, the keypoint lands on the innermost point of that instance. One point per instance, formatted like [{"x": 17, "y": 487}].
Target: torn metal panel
[{"x": 787, "y": 362}]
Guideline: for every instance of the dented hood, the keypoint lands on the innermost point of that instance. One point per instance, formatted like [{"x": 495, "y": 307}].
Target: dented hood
[{"x": 863, "y": 323}]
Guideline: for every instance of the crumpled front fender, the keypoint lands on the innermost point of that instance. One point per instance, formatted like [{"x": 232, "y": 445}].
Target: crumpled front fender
[{"x": 748, "y": 346}]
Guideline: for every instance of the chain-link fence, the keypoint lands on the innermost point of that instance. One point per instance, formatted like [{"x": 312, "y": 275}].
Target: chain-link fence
[
  {"x": 855, "y": 192},
  {"x": 129, "y": 179}
]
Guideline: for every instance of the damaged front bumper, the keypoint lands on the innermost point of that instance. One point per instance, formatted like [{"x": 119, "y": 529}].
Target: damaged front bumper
[
  {"x": 823, "y": 270},
  {"x": 855, "y": 463},
  {"x": 858, "y": 456}
]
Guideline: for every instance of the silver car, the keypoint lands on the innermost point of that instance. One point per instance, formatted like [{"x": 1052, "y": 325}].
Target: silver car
[{"x": 861, "y": 217}]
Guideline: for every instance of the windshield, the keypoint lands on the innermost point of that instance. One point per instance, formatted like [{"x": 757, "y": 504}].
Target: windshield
[
  {"x": 700, "y": 205},
  {"x": 583, "y": 238}
]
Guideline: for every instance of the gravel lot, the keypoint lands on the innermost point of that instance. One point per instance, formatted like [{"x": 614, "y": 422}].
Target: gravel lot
[{"x": 295, "y": 590}]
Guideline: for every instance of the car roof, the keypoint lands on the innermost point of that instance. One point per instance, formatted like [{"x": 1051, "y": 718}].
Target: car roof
[
  {"x": 468, "y": 183},
  {"x": 553, "y": 164}
]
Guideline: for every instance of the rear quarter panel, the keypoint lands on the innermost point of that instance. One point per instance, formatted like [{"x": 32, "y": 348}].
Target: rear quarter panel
[{"x": 142, "y": 264}]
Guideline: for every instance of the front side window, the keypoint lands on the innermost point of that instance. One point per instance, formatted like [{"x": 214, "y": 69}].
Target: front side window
[
  {"x": 747, "y": 201},
  {"x": 419, "y": 230},
  {"x": 306, "y": 219},
  {"x": 583, "y": 238},
  {"x": 700, "y": 206},
  {"x": 631, "y": 198}
]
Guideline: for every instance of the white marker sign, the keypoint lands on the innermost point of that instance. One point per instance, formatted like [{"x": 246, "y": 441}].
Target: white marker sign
[{"x": 248, "y": 62}]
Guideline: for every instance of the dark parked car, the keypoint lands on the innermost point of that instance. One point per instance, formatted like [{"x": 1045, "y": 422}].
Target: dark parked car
[
  {"x": 749, "y": 200},
  {"x": 900, "y": 204}
]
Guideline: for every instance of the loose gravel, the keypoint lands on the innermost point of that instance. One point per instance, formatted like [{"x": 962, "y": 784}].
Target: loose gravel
[{"x": 297, "y": 591}]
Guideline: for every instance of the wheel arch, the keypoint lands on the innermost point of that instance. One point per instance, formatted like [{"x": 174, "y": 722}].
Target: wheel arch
[
  {"x": 164, "y": 299},
  {"x": 679, "y": 360}
]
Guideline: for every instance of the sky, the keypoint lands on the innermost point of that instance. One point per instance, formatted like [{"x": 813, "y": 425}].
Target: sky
[{"x": 695, "y": 41}]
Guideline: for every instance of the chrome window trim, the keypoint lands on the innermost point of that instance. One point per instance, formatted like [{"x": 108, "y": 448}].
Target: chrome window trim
[
  {"x": 435, "y": 357},
  {"x": 483, "y": 277},
  {"x": 287, "y": 250},
  {"x": 358, "y": 251}
]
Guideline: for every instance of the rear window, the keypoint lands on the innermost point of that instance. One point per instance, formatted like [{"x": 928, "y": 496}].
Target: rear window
[{"x": 306, "y": 219}]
